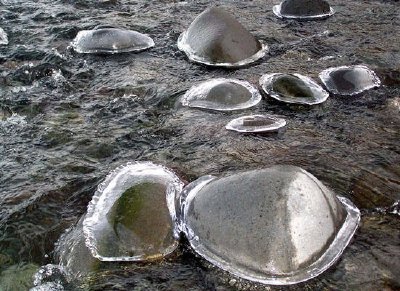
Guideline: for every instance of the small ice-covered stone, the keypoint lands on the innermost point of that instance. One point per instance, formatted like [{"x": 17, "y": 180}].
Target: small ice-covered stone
[
  {"x": 303, "y": 9},
  {"x": 132, "y": 216},
  {"x": 222, "y": 94},
  {"x": 3, "y": 37},
  {"x": 216, "y": 38},
  {"x": 110, "y": 40},
  {"x": 293, "y": 88},
  {"x": 256, "y": 123},
  {"x": 278, "y": 225},
  {"x": 349, "y": 80}
]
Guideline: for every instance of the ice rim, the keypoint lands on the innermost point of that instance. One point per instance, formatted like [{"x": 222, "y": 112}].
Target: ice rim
[
  {"x": 324, "y": 77},
  {"x": 236, "y": 124},
  {"x": 184, "y": 46},
  {"x": 132, "y": 49},
  {"x": 277, "y": 11},
  {"x": 266, "y": 83},
  {"x": 103, "y": 195},
  {"x": 325, "y": 261},
  {"x": 204, "y": 87}
]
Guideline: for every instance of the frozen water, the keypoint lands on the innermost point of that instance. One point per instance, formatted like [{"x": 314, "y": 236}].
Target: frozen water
[
  {"x": 216, "y": 38},
  {"x": 222, "y": 94},
  {"x": 256, "y": 123},
  {"x": 293, "y": 88},
  {"x": 349, "y": 80},
  {"x": 111, "y": 40},
  {"x": 303, "y": 9},
  {"x": 132, "y": 216},
  {"x": 278, "y": 225}
]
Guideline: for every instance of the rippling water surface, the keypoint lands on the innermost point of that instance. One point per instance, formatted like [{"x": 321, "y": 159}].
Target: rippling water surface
[{"x": 66, "y": 120}]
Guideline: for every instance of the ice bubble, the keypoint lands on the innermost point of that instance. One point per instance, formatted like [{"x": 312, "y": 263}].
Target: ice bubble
[
  {"x": 278, "y": 225},
  {"x": 132, "y": 216},
  {"x": 349, "y": 80},
  {"x": 303, "y": 9},
  {"x": 293, "y": 88},
  {"x": 111, "y": 40},
  {"x": 222, "y": 94},
  {"x": 216, "y": 38}
]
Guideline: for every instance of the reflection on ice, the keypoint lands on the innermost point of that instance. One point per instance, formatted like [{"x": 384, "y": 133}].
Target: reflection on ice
[
  {"x": 293, "y": 88},
  {"x": 349, "y": 80},
  {"x": 132, "y": 215}
]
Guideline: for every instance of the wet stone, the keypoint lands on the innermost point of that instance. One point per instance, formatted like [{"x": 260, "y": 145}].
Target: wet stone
[
  {"x": 305, "y": 7},
  {"x": 275, "y": 226},
  {"x": 215, "y": 37},
  {"x": 111, "y": 40},
  {"x": 293, "y": 88},
  {"x": 222, "y": 94},
  {"x": 132, "y": 215}
]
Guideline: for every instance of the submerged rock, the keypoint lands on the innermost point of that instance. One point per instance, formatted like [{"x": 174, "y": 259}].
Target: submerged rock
[
  {"x": 222, "y": 94},
  {"x": 216, "y": 38},
  {"x": 132, "y": 215},
  {"x": 278, "y": 225},
  {"x": 110, "y": 40},
  {"x": 349, "y": 80},
  {"x": 3, "y": 37},
  {"x": 303, "y": 9},
  {"x": 293, "y": 88},
  {"x": 256, "y": 123}
]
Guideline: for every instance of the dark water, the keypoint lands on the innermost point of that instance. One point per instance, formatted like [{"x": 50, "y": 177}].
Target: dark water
[{"x": 66, "y": 120}]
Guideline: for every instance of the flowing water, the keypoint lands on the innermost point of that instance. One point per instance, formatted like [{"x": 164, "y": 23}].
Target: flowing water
[{"x": 66, "y": 120}]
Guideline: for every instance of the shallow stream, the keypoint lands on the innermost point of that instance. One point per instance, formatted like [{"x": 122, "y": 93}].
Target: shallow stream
[{"x": 67, "y": 120}]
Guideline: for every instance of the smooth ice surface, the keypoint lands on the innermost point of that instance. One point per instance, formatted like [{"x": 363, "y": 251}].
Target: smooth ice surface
[
  {"x": 303, "y": 9},
  {"x": 256, "y": 123},
  {"x": 216, "y": 38},
  {"x": 293, "y": 88},
  {"x": 349, "y": 80},
  {"x": 222, "y": 94},
  {"x": 111, "y": 40},
  {"x": 132, "y": 216},
  {"x": 3, "y": 37},
  {"x": 278, "y": 225}
]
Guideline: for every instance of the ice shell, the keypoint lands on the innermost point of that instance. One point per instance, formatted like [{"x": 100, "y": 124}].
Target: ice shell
[
  {"x": 3, "y": 37},
  {"x": 293, "y": 88},
  {"x": 349, "y": 80},
  {"x": 278, "y": 225},
  {"x": 222, "y": 94},
  {"x": 110, "y": 40},
  {"x": 256, "y": 123},
  {"x": 303, "y": 9},
  {"x": 216, "y": 38},
  {"x": 132, "y": 216}
]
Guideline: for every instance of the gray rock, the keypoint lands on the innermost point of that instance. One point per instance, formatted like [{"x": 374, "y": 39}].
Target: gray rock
[
  {"x": 215, "y": 37},
  {"x": 276, "y": 226}
]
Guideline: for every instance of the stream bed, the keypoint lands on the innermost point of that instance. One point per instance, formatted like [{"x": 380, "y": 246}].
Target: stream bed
[{"x": 68, "y": 119}]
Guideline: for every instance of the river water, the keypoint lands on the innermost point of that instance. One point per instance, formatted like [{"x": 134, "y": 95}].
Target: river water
[{"x": 66, "y": 120}]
